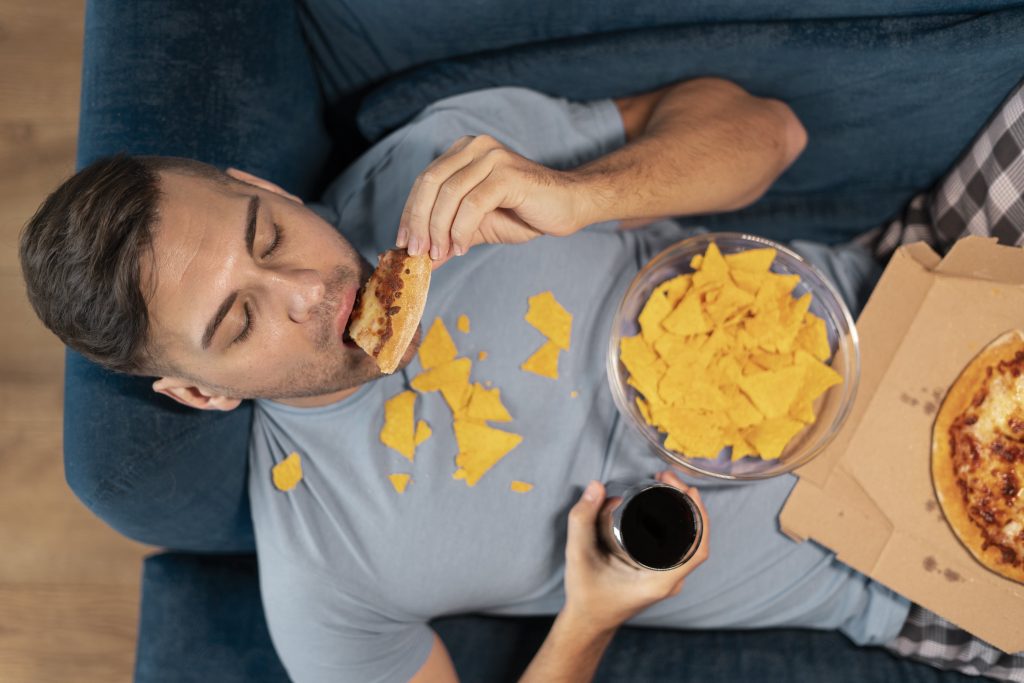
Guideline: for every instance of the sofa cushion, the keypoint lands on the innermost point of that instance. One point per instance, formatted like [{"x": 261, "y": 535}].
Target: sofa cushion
[
  {"x": 202, "y": 621},
  {"x": 889, "y": 104}
]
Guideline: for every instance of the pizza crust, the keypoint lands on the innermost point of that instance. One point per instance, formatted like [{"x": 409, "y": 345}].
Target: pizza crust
[
  {"x": 390, "y": 305},
  {"x": 959, "y": 399}
]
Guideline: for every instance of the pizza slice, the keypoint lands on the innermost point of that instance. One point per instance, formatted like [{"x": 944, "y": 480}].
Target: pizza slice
[
  {"x": 388, "y": 309},
  {"x": 978, "y": 456}
]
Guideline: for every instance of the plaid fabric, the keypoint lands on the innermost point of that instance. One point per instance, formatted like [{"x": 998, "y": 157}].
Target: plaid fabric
[
  {"x": 982, "y": 195},
  {"x": 929, "y": 638}
]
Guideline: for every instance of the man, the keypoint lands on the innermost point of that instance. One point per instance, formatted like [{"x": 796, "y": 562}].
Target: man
[{"x": 228, "y": 288}]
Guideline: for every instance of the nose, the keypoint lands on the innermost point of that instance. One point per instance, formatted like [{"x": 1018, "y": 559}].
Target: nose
[{"x": 303, "y": 291}]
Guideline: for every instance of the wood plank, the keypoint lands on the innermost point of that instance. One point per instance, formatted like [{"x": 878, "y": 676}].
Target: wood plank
[
  {"x": 28, "y": 351},
  {"x": 56, "y": 634},
  {"x": 48, "y": 535}
]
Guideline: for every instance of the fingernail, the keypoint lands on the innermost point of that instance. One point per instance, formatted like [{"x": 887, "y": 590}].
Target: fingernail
[
  {"x": 458, "y": 250},
  {"x": 403, "y": 238},
  {"x": 414, "y": 246},
  {"x": 590, "y": 493},
  {"x": 435, "y": 253}
]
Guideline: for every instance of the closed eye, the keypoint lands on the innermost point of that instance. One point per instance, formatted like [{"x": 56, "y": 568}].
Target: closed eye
[
  {"x": 247, "y": 329},
  {"x": 278, "y": 238}
]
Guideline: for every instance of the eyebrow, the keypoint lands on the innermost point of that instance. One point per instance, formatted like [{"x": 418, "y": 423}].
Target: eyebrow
[{"x": 250, "y": 237}]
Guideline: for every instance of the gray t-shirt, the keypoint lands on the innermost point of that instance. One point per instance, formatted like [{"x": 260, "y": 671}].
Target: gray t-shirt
[{"x": 351, "y": 571}]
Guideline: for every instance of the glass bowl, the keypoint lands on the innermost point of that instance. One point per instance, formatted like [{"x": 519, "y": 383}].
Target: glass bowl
[{"x": 831, "y": 408}]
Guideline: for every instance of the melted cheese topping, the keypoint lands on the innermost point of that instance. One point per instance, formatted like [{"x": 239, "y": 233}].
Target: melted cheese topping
[{"x": 988, "y": 457}]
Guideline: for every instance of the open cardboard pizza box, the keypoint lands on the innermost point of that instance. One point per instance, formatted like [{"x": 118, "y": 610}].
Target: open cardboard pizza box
[{"x": 869, "y": 497}]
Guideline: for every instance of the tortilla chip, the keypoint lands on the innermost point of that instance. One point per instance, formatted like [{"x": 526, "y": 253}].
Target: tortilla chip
[
  {"x": 751, "y": 260},
  {"x": 818, "y": 377},
  {"x": 654, "y": 311},
  {"x": 451, "y": 379},
  {"x": 713, "y": 269},
  {"x": 482, "y": 355},
  {"x": 550, "y": 319},
  {"x": 687, "y": 318},
  {"x": 813, "y": 337},
  {"x": 521, "y": 487},
  {"x": 423, "y": 432},
  {"x": 773, "y": 391},
  {"x": 480, "y": 448},
  {"x": 288, "y": 473},
  {"x": 463, "y": 324},
  {"x": 771, "y": 436},
  {"x": 544, "y": 361},
  {"x": 400, "y": 481},
  {"x": 573, "y": 394},
  {"x": 485, "y": 404},
  {"x": 741, "y": 411},
  {"x": 673, "y": 289},
  {"x": 437, "y": 347},
  {"x": 397, "y": 432},
  {"x": 645, "y": 412}
]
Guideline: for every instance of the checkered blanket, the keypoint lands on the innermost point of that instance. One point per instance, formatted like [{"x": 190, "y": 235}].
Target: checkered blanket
[{"x": 982, "y": 195}]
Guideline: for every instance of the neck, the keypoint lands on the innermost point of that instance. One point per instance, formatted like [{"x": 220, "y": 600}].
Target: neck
[{"x": 321, "y": 400}]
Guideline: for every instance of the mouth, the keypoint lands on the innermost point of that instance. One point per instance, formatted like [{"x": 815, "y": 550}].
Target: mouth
[{"x": 344, "y": 314}]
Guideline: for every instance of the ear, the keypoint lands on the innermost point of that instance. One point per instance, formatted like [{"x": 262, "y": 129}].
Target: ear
[
  {"x": 187, "y": 393},
  {"x": 262, "y": 184}
]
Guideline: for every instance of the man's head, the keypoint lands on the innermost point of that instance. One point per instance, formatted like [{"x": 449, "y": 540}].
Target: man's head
[{"x": 223, "y": 285}]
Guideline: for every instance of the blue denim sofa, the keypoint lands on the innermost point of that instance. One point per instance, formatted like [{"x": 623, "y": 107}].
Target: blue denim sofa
[{"x": 295, "y": 89}]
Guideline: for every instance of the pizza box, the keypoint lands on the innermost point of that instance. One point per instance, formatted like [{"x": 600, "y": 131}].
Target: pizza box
[{"x": 869, "y": 496}]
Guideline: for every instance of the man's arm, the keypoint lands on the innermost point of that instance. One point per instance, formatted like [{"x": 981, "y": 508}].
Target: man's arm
[
  {"x": 601, "y": 594},
  {"x": 702, "y": 146}
]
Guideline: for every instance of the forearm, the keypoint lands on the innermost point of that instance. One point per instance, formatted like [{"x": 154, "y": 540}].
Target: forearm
[
  {"x": 708, "y": 147},
  {"x": 570, "y": 653}
]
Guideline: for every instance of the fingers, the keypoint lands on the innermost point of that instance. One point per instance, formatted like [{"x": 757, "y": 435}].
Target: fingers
[
  {"x": 418, "y": 226},
  {"x": 412, "y": 227},
  {"x": 483, "y": 199},
  {"x": 582, "y": 536},
  {"x": 454, "y": 194}
]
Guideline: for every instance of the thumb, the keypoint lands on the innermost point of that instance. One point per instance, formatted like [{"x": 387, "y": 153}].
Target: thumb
[{"x": 583, "y": 517}]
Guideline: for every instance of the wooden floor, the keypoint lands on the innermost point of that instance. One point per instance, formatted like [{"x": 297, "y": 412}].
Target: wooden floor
[{"x": 69, "y": 586}]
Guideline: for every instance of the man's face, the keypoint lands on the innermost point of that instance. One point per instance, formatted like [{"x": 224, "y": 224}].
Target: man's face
[{"x": 253, "y": 292}]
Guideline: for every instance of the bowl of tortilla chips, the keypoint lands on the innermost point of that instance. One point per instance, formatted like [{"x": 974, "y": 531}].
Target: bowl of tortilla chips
[{"x": 733, "y": 357}]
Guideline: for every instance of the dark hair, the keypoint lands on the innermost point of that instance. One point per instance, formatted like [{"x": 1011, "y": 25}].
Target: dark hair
[{"x": 81, "y": 255}]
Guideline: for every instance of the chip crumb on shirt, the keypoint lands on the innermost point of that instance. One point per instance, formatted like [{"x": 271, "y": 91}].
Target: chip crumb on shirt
[
  {"x": 437, "y": 347},
  {"x": 544, "y": 361},
  {"x": 463, "y": 323},
  {"x": 400, "y": 481},
  {"x": 482, "y": 355},
  {"x": 573, "y": 394},
  {"x": 521, "y": 486},
  {"x": 480, "y": 449},
  {"x": 423, "y": 432},
  {"x": 398, "y": 430},
  {"x": 550, "y": 319},
  {"x": 287, "y": 473},
  {"x": 451, "y": 379},
  {"x": 485, "y": 405}
]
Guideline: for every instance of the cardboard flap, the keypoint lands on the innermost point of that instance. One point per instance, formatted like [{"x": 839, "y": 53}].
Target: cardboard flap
[
  {"x": 949, "y": 585},
  {"x": 832, "y": 515},
  {"x": 983, "y": 258},
  {"x": 887, "y": 314}
]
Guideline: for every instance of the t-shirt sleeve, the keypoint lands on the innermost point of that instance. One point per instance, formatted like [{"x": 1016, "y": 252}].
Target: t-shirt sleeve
[
  {"x": 324, "y": 634},
  {"x": 367, "y": 200}
]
